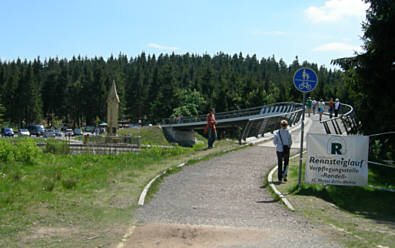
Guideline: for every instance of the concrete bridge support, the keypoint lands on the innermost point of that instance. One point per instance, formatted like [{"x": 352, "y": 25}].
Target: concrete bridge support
[{"x": 184, "y": 137}]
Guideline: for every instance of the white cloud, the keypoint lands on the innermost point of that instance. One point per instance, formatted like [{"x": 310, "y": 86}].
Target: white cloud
[
  {"x": 335, "y": 10},
  {"x": 337, "y": 47},
  {"x": 275, "y": 32},
  {"x": 160, "y": 47}
]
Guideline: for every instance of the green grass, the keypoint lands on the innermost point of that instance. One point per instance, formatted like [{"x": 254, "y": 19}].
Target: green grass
[
  {"x": 149, "y": 135},
  {"x": 366, "y": 216},
  {"x": 77, "y": 197},
  {"x": 382, "y": 176},
  {"x": 365, "y": 201}
]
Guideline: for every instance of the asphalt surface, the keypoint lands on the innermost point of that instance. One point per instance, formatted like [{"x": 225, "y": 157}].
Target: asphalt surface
[{"x": 227, "y": 192}]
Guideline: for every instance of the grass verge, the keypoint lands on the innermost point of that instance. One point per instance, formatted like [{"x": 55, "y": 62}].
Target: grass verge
[
  {"x": 357, "y": 216},
  {"x": 149, "y": 135},
  {"x": 59, "y": 200}
]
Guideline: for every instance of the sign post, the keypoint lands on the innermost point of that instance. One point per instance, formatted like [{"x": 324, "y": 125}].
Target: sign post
[{"x": 305, "y": 80}]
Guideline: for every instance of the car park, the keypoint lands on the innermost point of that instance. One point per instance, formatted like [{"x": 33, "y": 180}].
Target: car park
[
  {"x": 37, "y": 130},
  {"x": 133, "y": 126},
  {"x": 48, "y": 134},
  {"x": 77, "y": 132},
  {"x": 23, "y": 132},
  {"x": 57, "y": 133},
  {"x": 89, "y": 129},
  {"x": 7, "y": 132},
  {"x": 68, "y": 132}
]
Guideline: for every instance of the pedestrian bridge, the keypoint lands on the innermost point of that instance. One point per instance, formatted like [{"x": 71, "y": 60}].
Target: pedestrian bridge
[{"x": 255, "y": 122}]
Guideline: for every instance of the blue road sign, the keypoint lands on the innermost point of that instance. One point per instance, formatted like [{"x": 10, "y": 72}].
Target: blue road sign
[{"x": 305, "y": 80}]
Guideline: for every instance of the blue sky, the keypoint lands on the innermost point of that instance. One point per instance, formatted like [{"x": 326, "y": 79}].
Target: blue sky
[{"x": 314, "y": 30}]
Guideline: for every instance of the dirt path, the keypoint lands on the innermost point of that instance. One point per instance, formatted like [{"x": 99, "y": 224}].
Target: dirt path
[{"x": 221, "y": 203}]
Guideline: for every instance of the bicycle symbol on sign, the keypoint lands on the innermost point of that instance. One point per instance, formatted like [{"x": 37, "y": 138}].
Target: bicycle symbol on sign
[
  {"x": 305, "y": 81},
  {"x": 305, "y": 85}
]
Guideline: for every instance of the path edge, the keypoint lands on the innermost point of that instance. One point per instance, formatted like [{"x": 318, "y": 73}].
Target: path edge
[
  {"x": 270, "y": 176},
  {"x": 147, "y": 187},
  {"x": 276, "y": 191}
]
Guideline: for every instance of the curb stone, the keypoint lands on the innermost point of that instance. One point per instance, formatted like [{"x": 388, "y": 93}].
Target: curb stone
[
  {"x": 270, "y": 181},
  {"x": 146, "y": 188}
]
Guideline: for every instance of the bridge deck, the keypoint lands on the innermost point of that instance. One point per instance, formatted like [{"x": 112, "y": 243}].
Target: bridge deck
[{"x": 220, "y": 122}]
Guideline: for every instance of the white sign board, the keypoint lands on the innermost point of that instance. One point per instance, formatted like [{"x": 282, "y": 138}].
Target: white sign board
[{"x": 337, "y": 160}]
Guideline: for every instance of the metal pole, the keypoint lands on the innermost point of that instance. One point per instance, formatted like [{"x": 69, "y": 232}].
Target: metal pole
[{"x": 301, "y": 141}]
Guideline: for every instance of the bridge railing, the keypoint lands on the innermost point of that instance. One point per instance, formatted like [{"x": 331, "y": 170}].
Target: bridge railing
[
  {"x": 346, "y": 122},
  {"x": 258, "y": 126},
  {"x": 281, "y": 107}
]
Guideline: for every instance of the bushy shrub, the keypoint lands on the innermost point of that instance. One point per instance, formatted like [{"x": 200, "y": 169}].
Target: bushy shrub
[
  {"x": 27, "y": 151},
  {"x": 57, "y": 147},
  {"x": 23, "y": 151},
  {"x": 155, "y": 151},
  {"x": 7, "y": 151}
]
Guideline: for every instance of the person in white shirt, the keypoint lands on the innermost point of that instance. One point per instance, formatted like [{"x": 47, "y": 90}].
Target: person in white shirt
[
  {"x": 283, "y": 141},
  {"x": 337, "y": 107},
  {"x": 314, "y": 103}
]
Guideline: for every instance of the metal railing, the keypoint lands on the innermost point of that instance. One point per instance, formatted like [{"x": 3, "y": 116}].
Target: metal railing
[
  {"x": 270, "y": 109},
  {"x": 258, "y": 126},
  {"x": 346, "y": 122},
  {"x": 255, "y": 121},
  {"x": 385, "y": 143}
]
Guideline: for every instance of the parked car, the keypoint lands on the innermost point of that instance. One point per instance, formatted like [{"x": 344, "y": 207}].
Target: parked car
[
  {"x": 89, "y": 129},
  {"x": 49, "y": 134},
  {"x": 77, "y": 132},
  {"x": 68, "y": 132},
  {"x": 37, "y": 130},
  {"x": 57, "y": 132},
  {"x": 7, "y": 132},
  {"x": 23, "y": 132},
  {"x": 133, "y": 126}
]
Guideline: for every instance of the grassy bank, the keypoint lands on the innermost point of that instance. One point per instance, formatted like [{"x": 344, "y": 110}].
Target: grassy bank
[
  {"x": 149, "y": 135},
  {"x": 60, "y": 200},
  {"x": 364, "y": 217}
]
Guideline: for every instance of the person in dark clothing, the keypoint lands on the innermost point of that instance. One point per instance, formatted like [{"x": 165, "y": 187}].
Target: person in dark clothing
[
  {"x": 211, "y": 129},
  {"x": 283, "y": 141},
  {"x": 337, "y": 107}
]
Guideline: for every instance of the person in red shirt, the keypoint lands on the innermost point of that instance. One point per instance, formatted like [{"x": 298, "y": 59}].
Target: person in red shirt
[
  {"x": 331, "y": 107},
  {"x": 210, "y": 128}
]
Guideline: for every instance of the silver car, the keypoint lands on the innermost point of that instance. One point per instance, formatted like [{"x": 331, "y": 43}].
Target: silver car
[
  {"x": 23, "y": 132},
  {"x": 49, "y": 134}
]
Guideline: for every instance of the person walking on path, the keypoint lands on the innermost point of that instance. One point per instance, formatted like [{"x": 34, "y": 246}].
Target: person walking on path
[
  {"x": 337, "y": 107},
  {"x": 321, "y": 106},
  {"x": 314, "y": 103},
  {"x": 283, "y": 141},
  {"x": 331, "y": 106},
  {"x": 308, "y": 106},
  {"x": 210, "y": 128}
]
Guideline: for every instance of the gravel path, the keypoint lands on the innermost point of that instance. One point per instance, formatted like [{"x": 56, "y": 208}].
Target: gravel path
[{"x": 223, "y": 196}]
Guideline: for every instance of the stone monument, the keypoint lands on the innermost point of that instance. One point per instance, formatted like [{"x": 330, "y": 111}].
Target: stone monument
[{"x": 112, "y": 110}]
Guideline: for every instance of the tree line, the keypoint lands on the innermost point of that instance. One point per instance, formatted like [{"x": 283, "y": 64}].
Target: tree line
[
  {"x": 150, "y": 87},
  {"x": 369, "y": 76}
]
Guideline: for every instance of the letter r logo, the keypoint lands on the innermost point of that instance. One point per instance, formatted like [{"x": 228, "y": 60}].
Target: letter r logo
[{"x": 336, "y": 148}]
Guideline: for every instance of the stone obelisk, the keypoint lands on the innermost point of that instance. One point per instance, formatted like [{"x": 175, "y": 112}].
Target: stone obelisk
[{"x": 112, "y": 110}]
